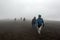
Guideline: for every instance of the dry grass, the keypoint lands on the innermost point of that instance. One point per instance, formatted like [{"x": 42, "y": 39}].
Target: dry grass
[{"x": 16, "y": 30}]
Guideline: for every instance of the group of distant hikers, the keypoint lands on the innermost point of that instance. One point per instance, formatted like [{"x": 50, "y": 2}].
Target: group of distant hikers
[
  {"x": 38, "y": 23},
  {"x": 21, "y": 19}
]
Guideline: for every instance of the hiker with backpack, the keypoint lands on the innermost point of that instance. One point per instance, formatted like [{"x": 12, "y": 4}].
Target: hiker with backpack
[{"x": 40, "y": 24}]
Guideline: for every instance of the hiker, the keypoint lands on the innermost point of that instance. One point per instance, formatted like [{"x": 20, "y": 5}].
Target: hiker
[
  {"x": 24, "y": 19},
  {"x": 15, "y": 19},
  {"x": 21, "y": 18},
  {"x": 40, "y": 24},
  {"x": 34, "y": 23}
]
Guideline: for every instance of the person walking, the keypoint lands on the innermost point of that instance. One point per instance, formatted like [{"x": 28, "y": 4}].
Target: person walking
[
  {"x": 34, "y": 23},
  {"x": 40, "y": 24}
]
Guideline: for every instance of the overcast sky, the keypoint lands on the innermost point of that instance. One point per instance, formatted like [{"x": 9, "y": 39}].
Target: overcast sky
[{"x": 49, "y": 9}]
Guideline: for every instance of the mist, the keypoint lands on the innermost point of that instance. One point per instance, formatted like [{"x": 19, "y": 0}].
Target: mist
[{"x": 49, "y": 9}]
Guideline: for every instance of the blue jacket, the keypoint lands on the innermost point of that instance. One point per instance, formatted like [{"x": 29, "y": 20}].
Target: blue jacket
[{"x": 40, "y": 21}]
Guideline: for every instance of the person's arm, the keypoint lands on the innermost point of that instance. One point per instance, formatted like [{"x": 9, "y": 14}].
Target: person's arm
[{"x": 37, "y": 22}]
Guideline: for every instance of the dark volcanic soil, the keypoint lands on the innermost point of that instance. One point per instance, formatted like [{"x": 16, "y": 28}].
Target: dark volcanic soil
[{"x": 22, "y": 30}]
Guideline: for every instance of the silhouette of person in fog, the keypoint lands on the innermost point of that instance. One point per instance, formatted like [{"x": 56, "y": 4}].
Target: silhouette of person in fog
[
  {"x": 24, "y": 19},
  {"x": 34, "y": 22},
  {"x": 15, "y": 19},
  {"x": 40, "y": 23},
  {"x": 21, "y": 18}
]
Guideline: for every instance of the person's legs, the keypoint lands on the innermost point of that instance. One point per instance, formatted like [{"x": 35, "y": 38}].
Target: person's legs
[
  {"x": 39, "y": 29},
  {"x": 33, "y": 26}
]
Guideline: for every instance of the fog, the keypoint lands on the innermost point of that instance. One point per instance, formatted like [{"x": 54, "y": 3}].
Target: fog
[{"x": 49, "y": 9}]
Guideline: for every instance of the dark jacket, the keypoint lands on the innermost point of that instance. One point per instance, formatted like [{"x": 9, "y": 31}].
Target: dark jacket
[{"x": 33, "y": 21}]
